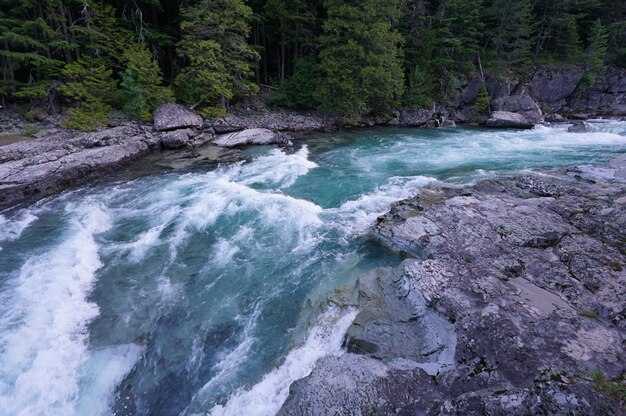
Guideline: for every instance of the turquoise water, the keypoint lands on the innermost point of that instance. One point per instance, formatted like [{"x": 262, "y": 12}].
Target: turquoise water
[{"x": 185, "y": 293}]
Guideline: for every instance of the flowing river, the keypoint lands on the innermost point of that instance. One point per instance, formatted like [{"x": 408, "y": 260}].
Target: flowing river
[{"x": 190, "y": 293}]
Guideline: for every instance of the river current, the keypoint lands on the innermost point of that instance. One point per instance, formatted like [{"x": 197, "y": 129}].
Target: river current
[{"x": 190, "y": 293}]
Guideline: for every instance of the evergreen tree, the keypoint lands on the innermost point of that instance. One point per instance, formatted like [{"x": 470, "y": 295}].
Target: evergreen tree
[
  {"x": 142, "y": 91},
  {"x": 360, "y": 59},
  {"x": 219, "y": 61},
  {"x": 89, "y": 84},
  {"x": 513, "y": 29},
  {"x": 597, "y": 50}
]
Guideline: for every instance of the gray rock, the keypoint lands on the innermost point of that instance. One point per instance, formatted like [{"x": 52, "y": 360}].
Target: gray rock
[
  {"x": 250, "y": 137},
  {"x": 175, "y": 116},
  {"x": 579, "y": 127},
  {"x": 509, "y": 120},
  {"x": 554, "y": 118},
  {"x": 176, "y": 139},
  {"x": 513, "y": 266},
  {"x": 415, "y": 118},
  {"x": 553, "y": 86},
  {"x": 522, "y": 104},
  {"x": 199, "y": 157}
]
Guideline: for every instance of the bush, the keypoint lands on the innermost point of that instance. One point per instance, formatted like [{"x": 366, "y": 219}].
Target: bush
[{"x": 297, "y": 91}]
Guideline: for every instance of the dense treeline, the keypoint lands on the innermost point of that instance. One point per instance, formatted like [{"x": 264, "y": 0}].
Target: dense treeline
[{"x": 355, "y": 57}]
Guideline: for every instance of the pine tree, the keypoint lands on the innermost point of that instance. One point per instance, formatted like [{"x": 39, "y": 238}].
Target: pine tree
[
  {"x": 513, "y": 29},
  {"x": 597, "y": 50},
  {"x": 360, "y": 59},
  {"x": 89, "y": 84},
  {"x": 219, "y": 61},
  {"x": 142, "y": 90}
]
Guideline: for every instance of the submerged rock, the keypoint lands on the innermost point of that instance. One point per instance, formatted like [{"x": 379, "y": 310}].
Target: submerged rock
[
  {"x": 175, "y": 116},
  {"x": 579, "y": 127},
  {"x": 509, "y": 120},
  {"x": 526, "y": 274}
]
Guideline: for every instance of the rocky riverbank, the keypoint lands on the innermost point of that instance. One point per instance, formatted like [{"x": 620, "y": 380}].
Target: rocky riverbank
[
  {"x": 511, "y": 303},
  {"x": 57, "y": 159}
]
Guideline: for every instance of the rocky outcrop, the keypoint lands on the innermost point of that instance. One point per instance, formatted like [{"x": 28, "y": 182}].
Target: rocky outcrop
[
  {"x": 279, "y": 120},
  {"x": 37, "y": 168},
  {"x": 521, "y": 104},
  {"x": 571, "y": 90},
  {"x": 528, "y": 273},
  {"x": 175, "y": 116},
  {"x": 252, "y": 137},
  {"x": 507, "y": 119}
]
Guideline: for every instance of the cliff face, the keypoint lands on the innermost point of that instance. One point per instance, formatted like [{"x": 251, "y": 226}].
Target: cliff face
[{"x": 522, "y": 278}]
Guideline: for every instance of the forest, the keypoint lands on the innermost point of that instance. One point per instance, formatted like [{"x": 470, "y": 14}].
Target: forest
[{"x": 91, "y": 58}]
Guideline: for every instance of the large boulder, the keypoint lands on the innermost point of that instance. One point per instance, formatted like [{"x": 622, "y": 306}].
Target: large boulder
[
  {"x": 508, "y": 119},
  {"x": 176, "y": 139},
  {"x": 251, "y": 137},
  {"x": 175, "y": 116},
  {"x": 522, "y": 104}
]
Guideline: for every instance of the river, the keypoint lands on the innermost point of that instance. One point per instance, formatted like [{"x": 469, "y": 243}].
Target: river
[{"x": 191, "y": 293}]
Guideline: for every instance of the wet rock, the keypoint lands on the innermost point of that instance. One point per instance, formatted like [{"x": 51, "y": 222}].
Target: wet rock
[
  {"x": 251, "y": 137},
  {"x": 176, "y": 139},
  {"x": 512, "y": 266},
  {"x": 554, "y": 118},
  {"x": 521, "y": 104},
  {"x": 553, "y": 86},
  {"x": 175, "y": 116},
  {"x": 579, "y": 127},
  {"x": 508, "y": 119}
]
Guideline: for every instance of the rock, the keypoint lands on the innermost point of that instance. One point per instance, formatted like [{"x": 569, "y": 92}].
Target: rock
[
  {"x": 415, "y": 118},
  {"x": 512, "y": 268},
  {"x": 521, "y": 104},
  {"x": 554, "y": 118},
  {"x": 251, "y": 137},
  {"x": 276, "y": 120},
  {"x": 34, "y": 169},
  {"x": 201, "y": 156},
  {"x": 176, "y": 139},
  {"x": 508, "y": 120},
  {"x": 553, "y": 86},
  {"x": 175, "y": 116},
  {"x": 579, "y": 127}
]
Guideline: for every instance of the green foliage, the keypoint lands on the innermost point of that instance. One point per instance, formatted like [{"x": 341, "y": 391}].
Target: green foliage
[
  {"x": 141, "y": 86},
  {"x": 419, "y": 89},
  {"x": 298, "y": 91},
  {"x": 89, "y": 84},
  {"x": 218, "y": 59},
  {"x": 480, "y": 108},
  {"x": 360, "y": 64},
  {"x": 589, "y": 314},
  {"x": 511, "y": 40},
  {"x": 597, "y": 50},
  {"x": 613, "y": 389}
]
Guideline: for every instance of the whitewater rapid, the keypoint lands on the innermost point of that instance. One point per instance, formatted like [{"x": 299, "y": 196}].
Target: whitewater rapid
[{"x": 183, "y": 293}]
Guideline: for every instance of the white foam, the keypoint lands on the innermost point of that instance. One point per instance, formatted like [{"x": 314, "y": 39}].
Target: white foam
[
  {"x": 104, "y": 370},
  {"x": 276, "y": 168},
  {"x": 356, "y": 216},
  {"x": 266, "y": 397},
  {"x": 11, "y": 229},
  {"x": 43, "y": 328}
]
